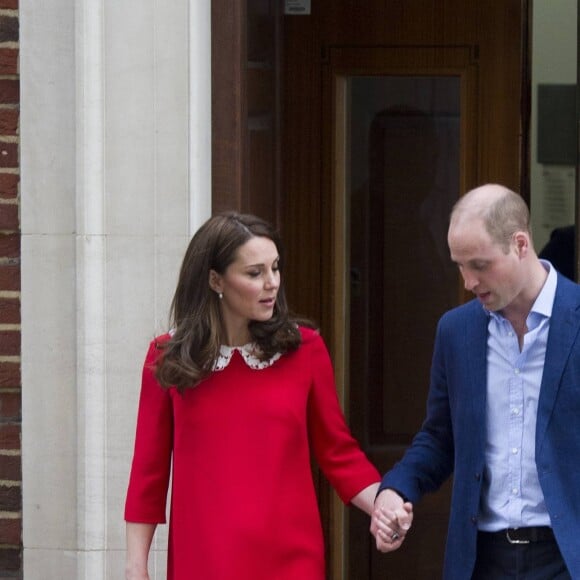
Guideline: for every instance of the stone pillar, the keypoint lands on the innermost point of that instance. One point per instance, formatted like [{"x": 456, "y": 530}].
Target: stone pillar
[{"x": 115, "y": 135}]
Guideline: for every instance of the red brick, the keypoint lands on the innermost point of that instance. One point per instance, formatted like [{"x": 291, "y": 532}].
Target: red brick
[
  {"x": 10, "y": 498},
  {"x": 9, "y": 217},
  {"x": 10, "y": 377},
  {"x": 8, "y": 118},
  {"x": 9, "y": 246},
  {"x": 8, "y": 28},
  {"x": 8, "y": 4},
  {"x": 8, "y": 61},
  {"x": 9, "y": 342},
  {"x": 10, "y": 563},
  {"x": 9, "y": 311},
  {"x": 9, "y": 183},
  {"x": 9, "y": 437},
  {"x": 11, "y": 531},
  {"x": 10, "y": 277},
  {"x": 9, "y": 91},
  {"x": 8, "y": 154},
  {"x": 10, "y": 467},
  {"x": 10, "y": 407}
]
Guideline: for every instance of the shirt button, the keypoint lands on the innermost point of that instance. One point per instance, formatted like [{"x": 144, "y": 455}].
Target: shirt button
[
  {"x": 515, "y": 491},
  {"x": 517, "y": 371},
  {"x": 515, "y": 411},
  {"x": 514, "y": 450}
]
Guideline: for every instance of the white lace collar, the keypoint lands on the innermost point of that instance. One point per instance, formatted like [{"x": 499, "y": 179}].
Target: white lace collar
[{"x": 249, "y": 353}]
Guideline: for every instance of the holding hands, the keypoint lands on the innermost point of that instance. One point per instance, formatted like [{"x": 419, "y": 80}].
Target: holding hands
[{"x": 391, "y": 520}]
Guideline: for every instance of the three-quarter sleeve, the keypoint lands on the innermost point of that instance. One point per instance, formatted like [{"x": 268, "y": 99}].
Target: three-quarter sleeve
[
  {"x": 151, "y": 466},
  {"x": 338, "y": 454}
]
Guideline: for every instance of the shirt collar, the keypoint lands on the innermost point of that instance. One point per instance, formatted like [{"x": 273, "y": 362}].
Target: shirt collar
[
  {"x": 545, "y": 300},
  {"x": 250, "y": 353}
]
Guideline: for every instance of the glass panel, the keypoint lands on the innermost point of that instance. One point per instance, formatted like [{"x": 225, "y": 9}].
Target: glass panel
[
  {"x": 403, "y": 157},
  {"x": 553, "y": 134}
]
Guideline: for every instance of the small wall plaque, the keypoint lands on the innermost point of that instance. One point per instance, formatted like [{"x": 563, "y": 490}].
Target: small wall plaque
[{"x": 297, "y": 7}]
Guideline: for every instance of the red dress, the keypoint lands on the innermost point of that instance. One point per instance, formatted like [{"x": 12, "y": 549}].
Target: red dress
[{"x": 243, "y": 504}]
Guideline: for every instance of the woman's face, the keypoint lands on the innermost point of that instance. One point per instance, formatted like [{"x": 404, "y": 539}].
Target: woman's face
[{"x": 249, "y": 286}]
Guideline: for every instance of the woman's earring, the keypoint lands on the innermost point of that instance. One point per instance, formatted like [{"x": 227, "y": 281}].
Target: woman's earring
[{"x": 221, "y": 295}]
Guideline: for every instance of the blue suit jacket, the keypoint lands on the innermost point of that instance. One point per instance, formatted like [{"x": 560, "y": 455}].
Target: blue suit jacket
[{"x": 452, "y": 438}]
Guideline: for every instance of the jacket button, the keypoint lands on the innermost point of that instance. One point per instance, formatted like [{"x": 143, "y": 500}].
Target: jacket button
[
  {"x": 477, "y": 476},
  {"x": 474, "y": 520}
]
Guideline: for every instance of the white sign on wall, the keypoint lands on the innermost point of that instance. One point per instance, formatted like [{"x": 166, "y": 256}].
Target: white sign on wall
[{"x": 299, "y": 7}]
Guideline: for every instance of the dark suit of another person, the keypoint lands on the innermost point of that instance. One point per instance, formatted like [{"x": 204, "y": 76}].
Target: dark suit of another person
[{"x": 560, "y": 250}]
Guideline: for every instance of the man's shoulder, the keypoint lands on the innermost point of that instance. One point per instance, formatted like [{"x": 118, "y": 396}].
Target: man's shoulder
[
  {"x": 461, "y": 326},
  {"x": 567, "y": 290},
  {"x": 470, "y": 310}
]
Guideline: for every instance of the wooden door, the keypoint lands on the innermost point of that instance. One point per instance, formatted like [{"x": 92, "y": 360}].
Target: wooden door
[
  {"x": 245, "y": 53},
  {"x": 404, "y": 131},
  {"x": 391, "y": 111}
]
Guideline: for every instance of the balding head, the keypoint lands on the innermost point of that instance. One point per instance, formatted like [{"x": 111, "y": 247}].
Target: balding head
[{"x": 502, "y": 211}]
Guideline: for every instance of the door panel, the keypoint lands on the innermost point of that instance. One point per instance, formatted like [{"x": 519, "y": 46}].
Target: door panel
[
  {"x": 398, "y": 165},
  {"x": 391, "y": 111},
  {"x": 405, "y": 175}
]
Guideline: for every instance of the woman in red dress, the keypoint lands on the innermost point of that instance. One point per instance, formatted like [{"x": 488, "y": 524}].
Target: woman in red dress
[{"x": 233, "y": 401}]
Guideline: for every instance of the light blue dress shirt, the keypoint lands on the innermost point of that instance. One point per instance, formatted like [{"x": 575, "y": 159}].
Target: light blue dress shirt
[{"x": 512, "y": 496}]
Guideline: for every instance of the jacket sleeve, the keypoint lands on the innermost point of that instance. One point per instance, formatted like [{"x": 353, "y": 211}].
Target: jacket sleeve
[
  {"x": 151, "y": 466},
  {"x": 338, "y": 454}
]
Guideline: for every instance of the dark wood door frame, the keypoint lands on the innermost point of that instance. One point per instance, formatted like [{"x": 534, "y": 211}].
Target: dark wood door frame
[
  {"x": 228, "y": 95},
  {"x": 246, "y": 111}
]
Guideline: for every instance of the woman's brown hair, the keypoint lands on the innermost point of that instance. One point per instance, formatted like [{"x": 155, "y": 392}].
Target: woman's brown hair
[{"x": 197, "y": 333}]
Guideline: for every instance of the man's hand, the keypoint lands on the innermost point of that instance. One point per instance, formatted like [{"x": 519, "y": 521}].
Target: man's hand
[{"x": 391, "y": 520}]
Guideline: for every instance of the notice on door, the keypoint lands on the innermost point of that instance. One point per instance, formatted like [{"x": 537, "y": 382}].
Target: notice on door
[{"x": 297, "y": 7}]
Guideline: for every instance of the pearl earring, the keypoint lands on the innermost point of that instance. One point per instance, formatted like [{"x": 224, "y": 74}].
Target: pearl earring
[{"x": 221, "y": 295}]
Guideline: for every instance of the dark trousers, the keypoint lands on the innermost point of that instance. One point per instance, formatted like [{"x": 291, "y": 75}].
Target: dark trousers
[{"x": 497, "y": 559}]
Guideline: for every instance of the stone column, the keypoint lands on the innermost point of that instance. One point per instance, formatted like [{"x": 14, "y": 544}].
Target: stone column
[{"x": 115, "y": 177}]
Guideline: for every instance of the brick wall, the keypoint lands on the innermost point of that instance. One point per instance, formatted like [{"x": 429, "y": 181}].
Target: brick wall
[{"x": 10, "y": 381}]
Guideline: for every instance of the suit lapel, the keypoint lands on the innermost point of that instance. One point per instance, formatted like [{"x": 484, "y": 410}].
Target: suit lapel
[
  {"x": 564, "y": 327},
  {"x": 476, "y": 349}
]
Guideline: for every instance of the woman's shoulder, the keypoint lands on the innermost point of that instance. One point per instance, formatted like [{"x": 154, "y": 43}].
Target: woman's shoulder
[
  {"x": 159, "y": 341},
  {"x": 156, "y": 346},
  {"x": 312, "y": 341},
  {"x": 313, "y": 352},
  {"x": 309, "y": 334}
]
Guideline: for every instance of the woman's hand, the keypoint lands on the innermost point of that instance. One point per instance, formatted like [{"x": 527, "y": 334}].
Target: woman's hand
[{"x": 391, "y": 520}]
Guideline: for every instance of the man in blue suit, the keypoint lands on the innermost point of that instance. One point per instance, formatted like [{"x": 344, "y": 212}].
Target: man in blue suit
[{"x": 503, "y": 411}]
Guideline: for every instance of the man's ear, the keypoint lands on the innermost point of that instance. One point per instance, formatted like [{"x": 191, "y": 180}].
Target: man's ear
[
  {"x": 522, "y": 242},
  {"x": 215, "y": 281}
]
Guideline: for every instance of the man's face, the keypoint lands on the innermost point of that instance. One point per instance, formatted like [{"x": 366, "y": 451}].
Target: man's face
[{"x": 494, "y": 276}]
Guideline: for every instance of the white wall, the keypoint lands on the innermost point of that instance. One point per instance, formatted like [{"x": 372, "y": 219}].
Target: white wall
[
  {"x": 115, "y": 156},
  {"x": 554, "y": 48}
]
